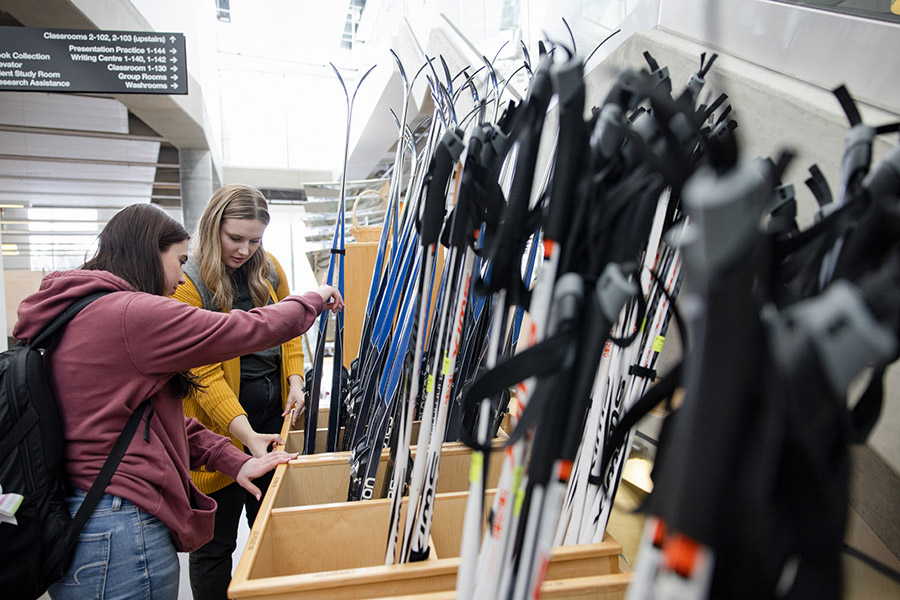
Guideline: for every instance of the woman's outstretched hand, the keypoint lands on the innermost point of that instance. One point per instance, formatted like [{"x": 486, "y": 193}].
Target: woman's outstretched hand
[
  {"x": 296, "y": 399},
  {"x": 259, "y": 444},
  {"x": 256, "y": 467},
  {"x": 332, "y": 298}
]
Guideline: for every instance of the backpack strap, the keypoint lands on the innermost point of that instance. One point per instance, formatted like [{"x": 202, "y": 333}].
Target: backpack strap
[
  {"x": 109, "y": 467},
  {"x": 118, "y": 451},
  {"x": 64, "y": 317}
]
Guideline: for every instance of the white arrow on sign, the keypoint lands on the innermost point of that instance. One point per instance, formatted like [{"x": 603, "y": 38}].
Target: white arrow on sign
[{"x": 172, "y": 38}]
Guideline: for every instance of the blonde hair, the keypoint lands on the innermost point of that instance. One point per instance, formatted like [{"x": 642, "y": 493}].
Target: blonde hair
[{"x": 233, "y": 201}]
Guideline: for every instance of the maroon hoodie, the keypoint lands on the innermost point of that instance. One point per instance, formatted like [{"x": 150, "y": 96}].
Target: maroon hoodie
[{"x": 124, "y": 348}]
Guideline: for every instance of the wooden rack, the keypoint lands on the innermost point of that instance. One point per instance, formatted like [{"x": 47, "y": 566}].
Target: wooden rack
[{"x": 309, "y": 542}]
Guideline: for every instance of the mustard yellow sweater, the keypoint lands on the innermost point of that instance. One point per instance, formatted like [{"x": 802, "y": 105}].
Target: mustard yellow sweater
[{"x": 217, "y": 404}]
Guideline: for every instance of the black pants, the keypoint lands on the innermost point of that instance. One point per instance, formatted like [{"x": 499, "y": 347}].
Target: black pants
[{"x": 209, "y": 566}]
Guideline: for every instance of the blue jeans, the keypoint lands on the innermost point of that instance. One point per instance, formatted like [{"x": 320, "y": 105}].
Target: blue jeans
[{"x": 122, "y": 553}]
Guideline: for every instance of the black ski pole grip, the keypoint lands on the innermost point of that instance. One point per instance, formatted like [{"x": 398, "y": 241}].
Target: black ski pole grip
[
  {"x": 646, "y": 126},
  {"x": 695, "y": 85},
  {"x": 613, "y": 290},
  {"x": 857, "y": 158},
  {"x": 512, "y": 233},
  {"x": 845, "y": 335},
  {"x": 445, "y": 155},
  {"x": 466, "y": 210},
  {"x": 568, "y": 295},
  {"x": 698, "y": 79},
  {"x": 568, "y": 81},
  {"x": 884, "y": 179},
  {"x": 539, "y": 95},
  {"x": 725, "y": 211},
  {"x": 609, "y": 133}
]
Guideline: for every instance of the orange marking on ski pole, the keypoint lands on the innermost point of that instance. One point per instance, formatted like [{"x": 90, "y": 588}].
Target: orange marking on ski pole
[{"x": 681, "y": 554}]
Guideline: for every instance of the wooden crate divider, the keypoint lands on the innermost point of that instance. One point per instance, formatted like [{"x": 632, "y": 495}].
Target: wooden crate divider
[
  {"x": 293, "y": 441},
  {"x": 324, "y": 478}
]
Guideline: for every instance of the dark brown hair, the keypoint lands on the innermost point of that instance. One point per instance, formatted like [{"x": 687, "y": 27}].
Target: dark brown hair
[{"x": 129, "y": 247}]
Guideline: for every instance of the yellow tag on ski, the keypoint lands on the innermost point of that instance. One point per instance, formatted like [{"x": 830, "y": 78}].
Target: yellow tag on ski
[
  {"x": 658, "y": 343},
  {"x": 429, "y": 385},
  {"x": 446, "y": 365},
  {"x": 476, "y": 466},
  {"x": 520, "y": 499},
  {"x": 643, "y": 322}
]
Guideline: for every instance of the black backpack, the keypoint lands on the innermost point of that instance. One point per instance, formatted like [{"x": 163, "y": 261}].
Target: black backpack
[{"x": 37, "y": 551}]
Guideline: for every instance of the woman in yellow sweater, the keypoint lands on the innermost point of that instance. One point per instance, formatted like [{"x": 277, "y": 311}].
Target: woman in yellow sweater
[{"x": 245, "y": 398}]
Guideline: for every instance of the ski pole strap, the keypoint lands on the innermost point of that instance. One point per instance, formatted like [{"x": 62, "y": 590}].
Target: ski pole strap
[
  {"x": 717, "y": 103},
  {"x": 887, "y": 128},
  {"x": 847, "y": 103},
  {"x": 818, "y": 185},
  {"x": 471, "y": 206},
  {"x": 663, "y": 390},
  {"x": 643, "y": 372},
  {"x": 872, "y": 562},
  {"x": 624, "y": 342},
  {"x": 865, "y": 414},
  {"x": 541, "y": 360},
  {"x": 105, "y": 476},
  {"x": 514, "y": 229}
]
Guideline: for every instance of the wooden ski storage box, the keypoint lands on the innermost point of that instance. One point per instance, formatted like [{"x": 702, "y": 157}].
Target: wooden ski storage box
[{"x": 336, "y": 552}]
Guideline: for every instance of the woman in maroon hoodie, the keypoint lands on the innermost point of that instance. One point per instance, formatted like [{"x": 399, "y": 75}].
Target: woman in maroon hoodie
[{"x": 130, "y": 345}]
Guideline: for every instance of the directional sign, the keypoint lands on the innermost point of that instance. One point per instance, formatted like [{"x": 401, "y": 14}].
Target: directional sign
[{"x": 69, "y": 60}]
